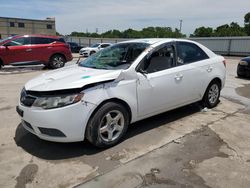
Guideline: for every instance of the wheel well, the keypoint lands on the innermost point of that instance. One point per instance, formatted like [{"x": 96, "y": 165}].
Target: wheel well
[
  {"x": 116, "y": 100},
  {"x": 216, "y": 80},
  {"x": 58, "y": 54},
  {"x": 1, "y": 62}
]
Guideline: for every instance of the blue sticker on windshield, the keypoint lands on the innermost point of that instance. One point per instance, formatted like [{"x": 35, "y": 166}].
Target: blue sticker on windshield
[{"x": 85, "y": 77}]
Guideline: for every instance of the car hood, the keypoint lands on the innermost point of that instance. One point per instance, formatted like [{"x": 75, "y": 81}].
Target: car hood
[
  {"x": 70, "y": 77},
  {"x": 247, "y": 59}
]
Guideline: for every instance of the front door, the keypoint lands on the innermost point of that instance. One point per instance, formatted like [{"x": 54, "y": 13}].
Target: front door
[
  {"x": 18, "y": 50},
  {"x": 163, "y": 85}
]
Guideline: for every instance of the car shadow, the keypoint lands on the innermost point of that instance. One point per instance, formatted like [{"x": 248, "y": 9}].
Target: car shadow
[
  {"x": 58, "y": 151},
  {"x": 22, "y": 69},
  {"x": 243, "y": 78}
]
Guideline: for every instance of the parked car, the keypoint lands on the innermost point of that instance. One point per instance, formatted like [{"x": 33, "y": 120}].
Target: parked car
[
  {"x": 243, "y": 69},
  {"x": 75, "y": 48},
  {"x": 51, "y": 51},
  {"x": 93, "y": 49},
  {"x": 124, "y": 83}
]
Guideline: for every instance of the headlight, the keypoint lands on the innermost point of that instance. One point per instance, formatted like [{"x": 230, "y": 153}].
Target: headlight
[
  {"x": 57, "y": 101},
  {"x": 243, "y": 63}
]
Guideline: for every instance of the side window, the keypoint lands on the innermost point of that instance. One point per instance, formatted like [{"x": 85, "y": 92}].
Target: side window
[
  {"x": 40, "y": 40},
  {"x": 104, "y": 45},
  {"x": 161, "y": 59},
  {"x": 189, "y": 53},
  {"x": 60, "y": 40},
  {"x": 18, "y": 42}
]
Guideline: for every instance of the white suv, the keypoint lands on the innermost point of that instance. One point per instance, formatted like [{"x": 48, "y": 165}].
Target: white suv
[
  {"x": 119, "y": 85},
  {"x": 87, "y": 51}
]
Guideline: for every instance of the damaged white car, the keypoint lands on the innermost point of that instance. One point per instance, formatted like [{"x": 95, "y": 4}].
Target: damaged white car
[{"x": 119, "y": 85}]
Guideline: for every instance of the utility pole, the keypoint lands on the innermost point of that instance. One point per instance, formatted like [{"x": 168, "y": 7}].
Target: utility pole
[{"x": 180, "y": 25}]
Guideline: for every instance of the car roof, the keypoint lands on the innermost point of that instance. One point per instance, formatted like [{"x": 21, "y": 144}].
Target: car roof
[
  {"x": 36, "y": 35},
  {"x": 152, "y": 41}
]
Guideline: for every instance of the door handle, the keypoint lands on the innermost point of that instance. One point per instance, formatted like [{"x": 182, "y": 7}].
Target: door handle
[
  {"x": 209, "y": 69},
  {"x": 28, "y": 50},
  {"x": 178, "y": 77}
]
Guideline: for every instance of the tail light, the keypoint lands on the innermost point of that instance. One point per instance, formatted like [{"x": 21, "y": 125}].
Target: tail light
[{"x": 224, "y": 62}]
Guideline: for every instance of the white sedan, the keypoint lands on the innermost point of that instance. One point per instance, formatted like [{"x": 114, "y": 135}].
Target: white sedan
[
  {"x": 119, "y": 85},
  {"x": 87, "y": 51}
]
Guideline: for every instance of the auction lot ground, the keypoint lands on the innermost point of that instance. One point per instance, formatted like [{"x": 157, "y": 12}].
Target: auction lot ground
[{"x": 187, "y": 147}]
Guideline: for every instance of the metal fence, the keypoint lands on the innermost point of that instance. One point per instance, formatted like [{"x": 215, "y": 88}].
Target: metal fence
[
  {"x": 227, "y": 45},
  {"x": 221, "y": 45}
]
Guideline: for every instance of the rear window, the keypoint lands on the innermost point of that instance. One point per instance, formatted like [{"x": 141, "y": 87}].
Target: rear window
[
  {"x": 189, "y": 53},
  {"x": 61, "y": 40},
  {"x": 44, "y": 40}
]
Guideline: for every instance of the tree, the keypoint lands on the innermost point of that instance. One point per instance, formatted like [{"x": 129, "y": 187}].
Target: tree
[
  {"x": 247, "y": 23},
  {"x": 229, "y": 30},
  {"x": 203, "y": 32},
  {"x": 148, "y": 32}
]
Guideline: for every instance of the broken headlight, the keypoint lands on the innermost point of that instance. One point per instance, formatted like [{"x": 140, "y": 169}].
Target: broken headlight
[{"x": 50, "y": 102}]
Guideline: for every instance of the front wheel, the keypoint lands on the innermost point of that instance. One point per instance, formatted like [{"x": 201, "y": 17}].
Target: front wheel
[
  {"x": 212, "y": 95},
  {"x": 57, "y": 61},
  {"x": 92, "y": 52},
  {"x": 108, "y": 125}
]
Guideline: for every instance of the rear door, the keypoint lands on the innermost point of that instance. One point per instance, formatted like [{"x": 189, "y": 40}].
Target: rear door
[
  {"x": 41, "y": 48},
  {"x": 194, "y": 61}
]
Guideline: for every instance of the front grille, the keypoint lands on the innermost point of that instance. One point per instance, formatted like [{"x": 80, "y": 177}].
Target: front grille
[{"x": 27, "y": 100}]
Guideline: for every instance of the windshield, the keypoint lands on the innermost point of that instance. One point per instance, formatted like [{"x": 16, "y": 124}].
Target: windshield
[
  {"x": 3, "y": 40},
  {"x": 95, "y": 45},
  {"x": 119, "y": 56}
]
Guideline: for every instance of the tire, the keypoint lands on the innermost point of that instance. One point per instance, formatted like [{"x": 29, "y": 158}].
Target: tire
[
  {"x": 1, "y": 64},
  {"x": 212, "y": 95},
  {"x": 57, "y": 61},
  {"x": 240, "y": 75},
  {"x": 92, "y": 52},
  {"x": 108, "y": 125}
]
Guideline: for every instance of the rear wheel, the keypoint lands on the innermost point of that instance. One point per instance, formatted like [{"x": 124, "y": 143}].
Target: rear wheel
[
  {"x": 57, "y": 61},
  {"x": 212, "y": 95},
  {"x": 108, "y": 125},
  {"x": 239, "y": 75}
]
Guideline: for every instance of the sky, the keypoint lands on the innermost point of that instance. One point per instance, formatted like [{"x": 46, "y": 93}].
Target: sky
[{"x": 83, "y": 15}]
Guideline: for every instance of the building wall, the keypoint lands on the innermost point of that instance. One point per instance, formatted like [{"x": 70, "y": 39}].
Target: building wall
[{"x": 13, "y": 26}]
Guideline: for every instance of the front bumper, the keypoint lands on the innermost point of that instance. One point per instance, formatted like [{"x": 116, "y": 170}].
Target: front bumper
[
  {"x": 66, "y": 124},
  {"x": 84, "y": 53},
  {"x": 243, "y": 70}
]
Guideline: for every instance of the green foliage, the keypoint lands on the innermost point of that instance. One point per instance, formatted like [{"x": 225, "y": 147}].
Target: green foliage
[
  {"x": 149, "y": 32},
  {"x": 247, "y": 18},
  {"x": 229, "y": 30},
  {"x": 234, "y": 29},
  {"x": 247, "y": 23},
  {"x": 203, "y": 32}
]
